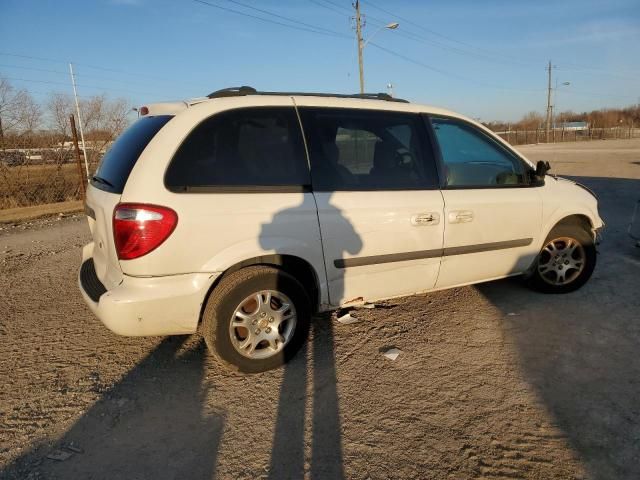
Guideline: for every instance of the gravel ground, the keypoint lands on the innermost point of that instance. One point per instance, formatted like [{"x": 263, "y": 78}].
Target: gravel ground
[{"x": 494, "y": 381}]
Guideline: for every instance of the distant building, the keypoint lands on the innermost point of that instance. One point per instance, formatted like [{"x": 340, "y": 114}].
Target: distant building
[{"x": 572, "y": 126}]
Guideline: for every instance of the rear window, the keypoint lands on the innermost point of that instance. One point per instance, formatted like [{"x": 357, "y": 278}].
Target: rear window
[{"x": 117, "y": 163}]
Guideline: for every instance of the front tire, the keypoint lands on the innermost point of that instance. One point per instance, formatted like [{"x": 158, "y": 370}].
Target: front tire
[
  {"x": 256, "y": 319},
  {"x": 565, "y": 262}
]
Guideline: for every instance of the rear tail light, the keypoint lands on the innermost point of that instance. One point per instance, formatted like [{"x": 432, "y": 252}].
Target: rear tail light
[{"x": 139, "y": 229}]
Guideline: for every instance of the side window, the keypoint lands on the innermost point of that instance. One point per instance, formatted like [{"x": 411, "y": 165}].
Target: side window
[
  {"x": 247, "y": 147},
  {"x": 354, "y": 149},
  {"x": 472, "y": 159}
]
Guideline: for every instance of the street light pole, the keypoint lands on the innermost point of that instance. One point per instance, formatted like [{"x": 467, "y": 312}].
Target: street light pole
[
  {"x": 390, "y": 89},
  {"x": 362, "y": 43},
  {"x": 555, "y": 105},
  {"x": 554, "y": 108}
]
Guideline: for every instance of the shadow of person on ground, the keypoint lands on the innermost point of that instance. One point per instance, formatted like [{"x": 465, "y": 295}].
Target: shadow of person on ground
[
  {"x": 151, "y": 425},
  {"x": 580, "y": 350},
  {"x": 288, "y": 460}
]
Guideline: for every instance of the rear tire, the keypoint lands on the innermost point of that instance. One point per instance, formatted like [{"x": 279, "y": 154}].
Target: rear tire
[
  {"x": 565, "y": 262},
  {"x": 256, "y": 319}
]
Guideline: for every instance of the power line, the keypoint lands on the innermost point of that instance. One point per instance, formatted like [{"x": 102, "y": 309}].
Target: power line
[
  {"x": 328, "y": 7},
  {"x": 459, "y": 51},
  {"x": 35, "y": 81},
  {"x": 375, "y": 45},
  {"x": 310, "y": 29},
  {"x": 49, "y": 82},
  {"x": 268, "y": 20},
  {"x": 81, "y": 75},
  {"x": 282, "y": 17},
  {"x": 594, "y": 94},
  {"x": 85, "y": 65},
  {"x": 34, "y": 69},
  {"x": 585, "y": 67},
  {"x": 404, "y": 32},
  {"x": 337, "y": 5},
  {"x": 475, "y": 50},
  {"x": 484, "y": 84},
  {"x": 596, "y": 72},
  {"x": 43, "y": 59},
  {"x": 42, "y": 92},
  {"x": 446, "y": 73},
  {"x": 487, "y": 54}
]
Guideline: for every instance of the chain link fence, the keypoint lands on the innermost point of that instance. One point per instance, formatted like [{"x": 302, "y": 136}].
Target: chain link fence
[
  {"x": 39, "y": 163},
  {"x": 43, "y": 168},
  {"x": 42, "y": 171},
  {"x": 526, "y": 137}
]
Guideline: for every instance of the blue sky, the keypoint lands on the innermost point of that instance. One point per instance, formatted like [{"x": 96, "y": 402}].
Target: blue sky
[{"x": 485, "y": 59}]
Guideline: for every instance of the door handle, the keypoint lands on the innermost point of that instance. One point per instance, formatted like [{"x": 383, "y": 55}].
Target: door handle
[
  {"x": 425, "y": 219},
  {"x": 460, "y": 216}
]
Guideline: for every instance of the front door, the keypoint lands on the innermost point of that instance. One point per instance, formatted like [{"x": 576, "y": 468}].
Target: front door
[
  {"x": 492, "y": 214},
  {"x": 379, "y": 208}
]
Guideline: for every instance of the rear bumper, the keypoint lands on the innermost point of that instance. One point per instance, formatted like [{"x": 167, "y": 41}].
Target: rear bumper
[{"x": 139, "y": 306}]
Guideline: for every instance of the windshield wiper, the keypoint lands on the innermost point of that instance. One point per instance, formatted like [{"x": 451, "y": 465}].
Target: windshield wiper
[{"x": 103, "y": 181}]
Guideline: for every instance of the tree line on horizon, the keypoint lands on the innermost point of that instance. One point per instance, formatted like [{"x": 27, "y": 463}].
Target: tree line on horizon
[
  {"x": 27, "y": 123},
  {"x": 31, "y": 122},
  {"x": 603, "y": 118}
]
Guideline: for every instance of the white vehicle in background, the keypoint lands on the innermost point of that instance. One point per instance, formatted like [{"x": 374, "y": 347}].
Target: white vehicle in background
[{"x": 245, "y": 212}]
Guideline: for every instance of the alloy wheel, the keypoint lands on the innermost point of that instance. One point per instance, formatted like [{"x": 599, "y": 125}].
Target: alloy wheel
[
  {"x": 561, "y": 261},
  {"x": 263, "y": 324}
]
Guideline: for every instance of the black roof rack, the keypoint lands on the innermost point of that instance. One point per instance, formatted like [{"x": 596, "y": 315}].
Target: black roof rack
[
  {"x": 233, "y": 92},
  {"x": 245, "y": 90}
]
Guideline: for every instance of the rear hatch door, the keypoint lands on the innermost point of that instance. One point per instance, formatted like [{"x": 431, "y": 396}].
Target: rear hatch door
[
  {"x": 103, "y": 195},
  {"x": 99, "y": 209}
]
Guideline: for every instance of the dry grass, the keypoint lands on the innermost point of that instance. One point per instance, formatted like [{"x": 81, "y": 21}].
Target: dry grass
[
  {"x": 20, "y": 214},
  {"x": 27, "y": 185}
]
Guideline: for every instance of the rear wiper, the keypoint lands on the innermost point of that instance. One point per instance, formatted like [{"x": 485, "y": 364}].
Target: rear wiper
[{"x": 103, "y": 181}]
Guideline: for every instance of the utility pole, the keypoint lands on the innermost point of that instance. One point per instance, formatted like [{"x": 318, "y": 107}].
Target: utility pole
[
  {"x": 356, "y": 5},
  {"x": 75, "y": 94},
  {"x": 548, "y": 101}
]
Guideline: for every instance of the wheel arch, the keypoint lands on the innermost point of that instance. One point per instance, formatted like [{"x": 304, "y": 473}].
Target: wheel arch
[
  {"x": 576, "y": 219},
  {"x": 580, "y": 219},
  {"x": 570, "y": 222},
  {"x": 295, "y": 266}
]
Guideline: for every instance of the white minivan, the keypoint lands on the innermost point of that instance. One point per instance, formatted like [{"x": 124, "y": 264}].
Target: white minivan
[{"x": 243, "y": 213}]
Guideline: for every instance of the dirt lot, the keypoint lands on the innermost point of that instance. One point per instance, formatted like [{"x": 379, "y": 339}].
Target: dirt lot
[{"x": 494, "y": 381}]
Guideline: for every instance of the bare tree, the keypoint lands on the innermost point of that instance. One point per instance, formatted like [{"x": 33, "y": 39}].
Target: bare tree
[
  {"x": 36, "y": 161},
  {"x": 530, "y": 121},
  {"x": 59, "y": 107},
  {"x": 19, "y": 113},
  {"x": 103, "y": 120}
]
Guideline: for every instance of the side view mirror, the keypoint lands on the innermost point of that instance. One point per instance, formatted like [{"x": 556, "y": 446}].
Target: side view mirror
[{"x": 542, "y": 168}]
